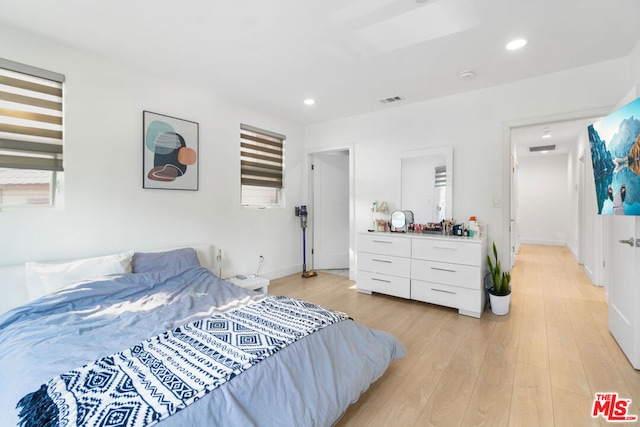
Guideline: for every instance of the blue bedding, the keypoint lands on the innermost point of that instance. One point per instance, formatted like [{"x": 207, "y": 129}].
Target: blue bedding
[{"x": 309, "y": 383}]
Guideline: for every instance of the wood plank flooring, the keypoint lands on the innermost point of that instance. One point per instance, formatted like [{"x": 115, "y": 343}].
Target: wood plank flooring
[{"x": 540, "y": 365}]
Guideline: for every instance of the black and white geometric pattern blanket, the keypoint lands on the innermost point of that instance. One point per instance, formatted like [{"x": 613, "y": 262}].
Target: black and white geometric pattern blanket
[{"x": 156, "y": 378}]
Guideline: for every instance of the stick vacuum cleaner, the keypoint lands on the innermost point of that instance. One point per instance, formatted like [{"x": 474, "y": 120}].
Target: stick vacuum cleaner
[{"x": 302, "y": 213}]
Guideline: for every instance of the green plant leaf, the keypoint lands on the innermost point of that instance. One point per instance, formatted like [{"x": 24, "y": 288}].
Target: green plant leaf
[{"x": 501, "y": 280}]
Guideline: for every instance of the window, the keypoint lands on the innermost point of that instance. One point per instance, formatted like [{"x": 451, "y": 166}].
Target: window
[
  {"x": 30, "y": 134},
  {"x": 261, "y": 167},
  {"x": 440, "y": 192}
]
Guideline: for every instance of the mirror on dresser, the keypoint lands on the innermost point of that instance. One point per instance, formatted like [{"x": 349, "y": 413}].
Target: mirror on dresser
[{"x": 426, "y": 183}]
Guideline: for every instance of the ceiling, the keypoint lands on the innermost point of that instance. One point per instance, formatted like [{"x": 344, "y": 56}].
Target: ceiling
[
  {"x": 564, "y": 135},
  {"x": 346, "y": 54}
]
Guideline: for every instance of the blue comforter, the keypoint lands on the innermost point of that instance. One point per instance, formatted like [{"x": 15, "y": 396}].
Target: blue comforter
[{"x": 310, "y": 383}]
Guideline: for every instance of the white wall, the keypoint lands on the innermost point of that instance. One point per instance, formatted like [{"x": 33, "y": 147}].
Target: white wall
[
  {"x": 473, "y": 123},
  {"x": 104, "y": 207},
  {"x": 544, "y": 199},
  {"x": 635, "y": 63}
]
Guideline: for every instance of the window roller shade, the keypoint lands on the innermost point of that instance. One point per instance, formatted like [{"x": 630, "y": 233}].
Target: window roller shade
[
  {"x": 441, "y": 176},
  {"x": 31, "y": 123},
  {"x": 261, "y": 157}
]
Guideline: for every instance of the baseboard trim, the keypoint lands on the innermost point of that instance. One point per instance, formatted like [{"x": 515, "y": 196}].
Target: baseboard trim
[
  {"x": 590, "y": 275},
  {"x": 543, "y": 242},
  {"x": 277, "y": 274},
  {"x": 573, "y": 252}
]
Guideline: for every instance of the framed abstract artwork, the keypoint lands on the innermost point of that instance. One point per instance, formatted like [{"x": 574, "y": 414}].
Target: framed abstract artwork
[{"x": 170, "y": 152}]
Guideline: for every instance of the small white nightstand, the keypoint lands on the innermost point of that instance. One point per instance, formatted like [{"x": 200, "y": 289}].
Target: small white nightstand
[{"x": 254, "y": 283}]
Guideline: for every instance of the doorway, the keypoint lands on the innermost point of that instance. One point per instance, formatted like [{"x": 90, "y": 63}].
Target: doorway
[
  {"x": 568, "y": 134},
  {"x": 612, "y": 243},
  {"x": 331, "y": 198}
]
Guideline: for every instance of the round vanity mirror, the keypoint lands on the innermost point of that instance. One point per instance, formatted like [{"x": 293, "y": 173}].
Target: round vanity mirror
[
  {"x": 398, "y": 220},
  {"x": 408, "y": 217}
]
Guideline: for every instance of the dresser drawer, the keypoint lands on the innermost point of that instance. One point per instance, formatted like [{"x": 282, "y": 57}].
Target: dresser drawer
[
  {"x": 465, "y": 300},
  {"x": 464, "y": 276},
  {"x": 385, "y": 264},
  {"x": 384, "y": 284},
  {"x": 456, "y": 251},
  {"x": 384, "y": 244}
]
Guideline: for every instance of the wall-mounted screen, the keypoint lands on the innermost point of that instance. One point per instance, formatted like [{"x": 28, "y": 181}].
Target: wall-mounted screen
[{"x": 615, "y": 155}]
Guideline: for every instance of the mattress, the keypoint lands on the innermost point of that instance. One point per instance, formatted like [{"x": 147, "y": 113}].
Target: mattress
[{"x": 308, "y": 383}]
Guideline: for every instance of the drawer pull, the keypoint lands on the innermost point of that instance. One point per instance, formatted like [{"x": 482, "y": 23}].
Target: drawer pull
[
  {"x": 380, "y": 280},
  {"x": 382, "y": 241},
  {"x": 382, "y": 260},
  {"x": 443, "y": 269},
  {"x": 443, "y": 291},
  {"x": 446, "y": 247}
]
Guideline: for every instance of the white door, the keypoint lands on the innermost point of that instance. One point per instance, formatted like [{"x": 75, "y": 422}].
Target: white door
[
  {"x": 624, "y": 289},
  {"x": 331, "y": 210}
]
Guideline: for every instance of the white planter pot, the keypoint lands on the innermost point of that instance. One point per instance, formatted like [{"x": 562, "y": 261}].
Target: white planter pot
[{"x": 500, "y": 304}]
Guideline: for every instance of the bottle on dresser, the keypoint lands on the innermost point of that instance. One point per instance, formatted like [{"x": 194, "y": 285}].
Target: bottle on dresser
[{"x": 474, "y": 228}]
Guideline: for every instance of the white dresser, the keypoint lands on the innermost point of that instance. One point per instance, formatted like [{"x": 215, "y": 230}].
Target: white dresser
[{"x": 443, "y": 270}]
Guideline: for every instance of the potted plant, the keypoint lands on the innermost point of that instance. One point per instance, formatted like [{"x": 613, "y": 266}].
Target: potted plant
[{"x": 500, "y": 292}]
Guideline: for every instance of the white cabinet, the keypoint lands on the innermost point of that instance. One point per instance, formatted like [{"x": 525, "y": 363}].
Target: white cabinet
[
  {"x": 385, "y": 244},
  {"x": 384, "y": 284},
  {"x": 440, "y": 270},
  {"x": 255, "y": 283},
  {"x": 449, "y": 271},
  {"x": 384, "y": 265}
]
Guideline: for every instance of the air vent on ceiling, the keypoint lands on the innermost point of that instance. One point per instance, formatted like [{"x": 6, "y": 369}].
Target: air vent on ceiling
[
  {"x": 542, "y": 148},
  {"x": 392, "y": 99}
]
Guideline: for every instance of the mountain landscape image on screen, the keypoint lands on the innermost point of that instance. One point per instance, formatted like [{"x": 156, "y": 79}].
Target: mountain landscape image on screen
[{"x": 615, "y": 155}]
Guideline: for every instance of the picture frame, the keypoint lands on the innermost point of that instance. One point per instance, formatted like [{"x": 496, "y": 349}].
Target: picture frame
[
  {"x": 170, "y": 158},
  {"x": 615, "y": 156}
]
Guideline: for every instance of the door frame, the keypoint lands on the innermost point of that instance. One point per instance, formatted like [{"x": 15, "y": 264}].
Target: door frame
[
  {"x": 349, "y": 148},
  {"x": 582, "y": 180},
  {"x": 514, "y": 205}
]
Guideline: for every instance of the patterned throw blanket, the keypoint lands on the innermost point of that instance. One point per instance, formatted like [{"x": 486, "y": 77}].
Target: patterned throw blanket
[{"x": 156, "y": 378}]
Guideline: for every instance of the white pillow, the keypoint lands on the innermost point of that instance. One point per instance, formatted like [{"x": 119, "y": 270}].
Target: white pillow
[{"x": 44, "y": 278}]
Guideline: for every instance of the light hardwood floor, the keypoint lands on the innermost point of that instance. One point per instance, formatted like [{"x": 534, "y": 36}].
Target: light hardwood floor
[{"x": 540, "y": 365}]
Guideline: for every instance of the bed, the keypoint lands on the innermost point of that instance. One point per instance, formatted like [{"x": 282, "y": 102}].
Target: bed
[{"x": 307, "y": 382}]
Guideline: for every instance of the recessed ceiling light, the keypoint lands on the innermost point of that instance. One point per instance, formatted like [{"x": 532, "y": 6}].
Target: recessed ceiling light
[
  {"x": 466, "y": 75},
  {"x": 516, "y": 44},
  {"x": 309, "y": 101}
]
